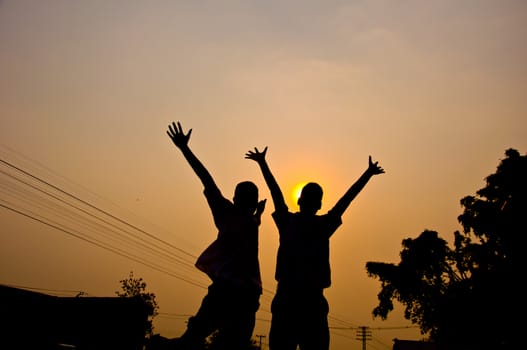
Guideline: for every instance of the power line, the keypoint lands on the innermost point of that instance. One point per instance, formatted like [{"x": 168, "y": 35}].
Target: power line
[
  {"x": 186, "y": 263},
  {"x": 103, "y": 246},
  {"x": 81, "y": 217},
  {"x": 160, "y": 250},
  {"x": 94, "y": 207},
  {"x": 59, "y": 205},
  {"x": 33, "y": 195},
  {"x": 107, "y": 225},
  {"x": 363, "y": 334},
  {"x": 54, "y": 291}
]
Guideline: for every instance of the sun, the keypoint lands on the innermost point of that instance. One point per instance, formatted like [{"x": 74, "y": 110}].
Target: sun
[{"x": 297, "y": 190}]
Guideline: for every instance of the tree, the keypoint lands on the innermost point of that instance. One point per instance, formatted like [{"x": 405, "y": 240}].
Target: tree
[
  {"x": 468, "y": 296},
  {"x": 136, "y": 287}
]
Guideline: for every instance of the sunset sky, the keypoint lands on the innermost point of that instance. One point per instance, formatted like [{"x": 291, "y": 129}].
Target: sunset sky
[{"x": 91, "y": 187}]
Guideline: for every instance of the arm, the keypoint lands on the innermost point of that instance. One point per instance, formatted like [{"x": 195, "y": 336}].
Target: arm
[
  {"x": 276, "y": 193},
  {"x": 180, "y": 139},
  {"x": 353, "y": 191}
]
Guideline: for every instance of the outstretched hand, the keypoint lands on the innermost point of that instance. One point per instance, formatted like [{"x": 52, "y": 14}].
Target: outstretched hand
[
  {"x": 256, "y": 155},
  {"x": 175, "y": 131},
  {"x": 374, "y": 168},
  {"x": 260, "y": 207}
]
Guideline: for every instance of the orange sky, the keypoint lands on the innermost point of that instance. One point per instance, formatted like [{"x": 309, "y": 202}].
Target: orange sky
[{"x": 435, "y": 91}]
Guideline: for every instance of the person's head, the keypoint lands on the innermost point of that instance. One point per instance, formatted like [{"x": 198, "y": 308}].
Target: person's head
[
  {"x": 310, "y": 200},
  {"x": 246, "y": 197}
]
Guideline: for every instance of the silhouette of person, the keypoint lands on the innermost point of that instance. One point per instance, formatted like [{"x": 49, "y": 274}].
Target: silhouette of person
[
  {"x": 231, "y": 261},
  {"x": 299, "y": 308}
]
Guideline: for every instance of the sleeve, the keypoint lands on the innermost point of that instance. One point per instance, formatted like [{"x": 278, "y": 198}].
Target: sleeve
[
  {"x": 280, "y": 218},
  {"x": 332, "y": 222},
  {"x": 217, "y": 204}
]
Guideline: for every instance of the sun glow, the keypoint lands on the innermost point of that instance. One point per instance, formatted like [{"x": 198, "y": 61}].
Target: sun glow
[{"x": 297, "y": 190}]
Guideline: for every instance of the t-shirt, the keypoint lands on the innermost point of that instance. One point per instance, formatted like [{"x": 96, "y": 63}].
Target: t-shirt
[
  {"x": 233, "y": 256},
  {"x": 303, "y": 254}
]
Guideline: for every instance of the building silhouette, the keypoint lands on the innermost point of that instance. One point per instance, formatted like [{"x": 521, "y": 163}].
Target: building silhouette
[{"x": 31, "y": 320}]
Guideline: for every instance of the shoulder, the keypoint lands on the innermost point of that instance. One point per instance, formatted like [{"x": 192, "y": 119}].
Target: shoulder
[{"x": 215, "y": 198}]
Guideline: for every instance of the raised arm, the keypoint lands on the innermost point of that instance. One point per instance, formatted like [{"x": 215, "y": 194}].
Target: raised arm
[
  {"x": 180, "y": 139},
  {"x": 353, "y": 191},
  {"x": 276, "y": 193}
]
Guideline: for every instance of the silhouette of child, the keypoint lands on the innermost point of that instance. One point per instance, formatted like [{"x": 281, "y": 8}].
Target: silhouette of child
[
  {"x": 231, "y": 261},
  {"x": 299, "y": 308}
]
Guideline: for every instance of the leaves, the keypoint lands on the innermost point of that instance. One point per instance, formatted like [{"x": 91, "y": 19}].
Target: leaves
[
  {"x": 136, "y": 287},
  {"x": 474, "y": 286}
]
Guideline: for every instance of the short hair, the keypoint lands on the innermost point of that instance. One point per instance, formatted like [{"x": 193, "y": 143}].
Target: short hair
[
  {"x": 246, "y": 194},
  {"x": 312, "y": 192}
]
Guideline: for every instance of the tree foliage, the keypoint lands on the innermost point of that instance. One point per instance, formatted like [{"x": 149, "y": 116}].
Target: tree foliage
[
  {"x": 468, "y": 296},
  {"x": 136, "y": 287}
]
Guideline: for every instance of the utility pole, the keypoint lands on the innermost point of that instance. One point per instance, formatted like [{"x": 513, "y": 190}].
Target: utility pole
[
  {"x": 260, "y": 343},
  {"x": 363, "y": 334}
]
